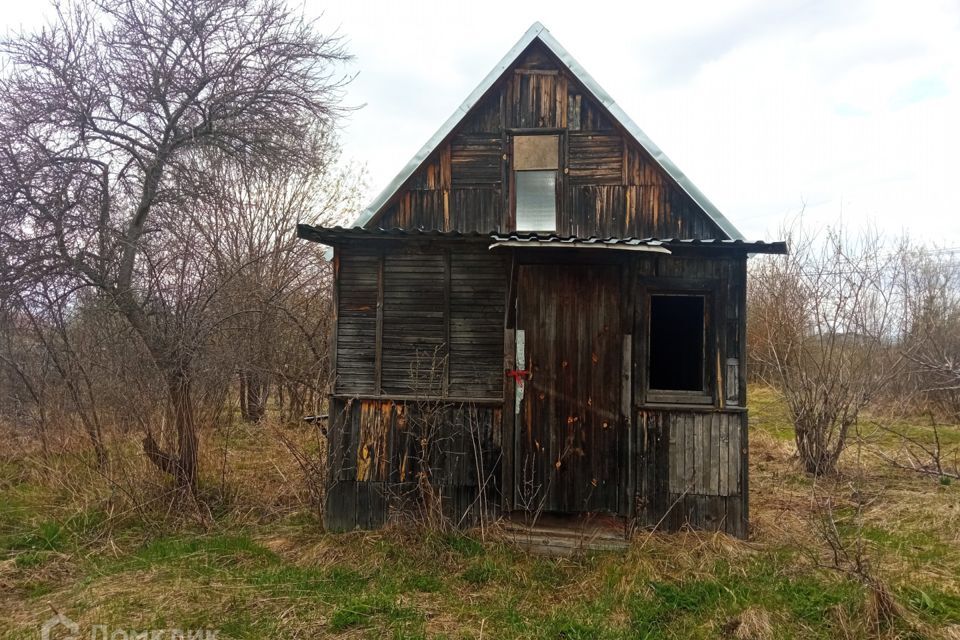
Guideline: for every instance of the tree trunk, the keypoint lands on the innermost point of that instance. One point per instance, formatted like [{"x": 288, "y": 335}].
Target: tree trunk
[
  {"x": 181, "y": 397},
  {"x": 183, "y": 465},
  {"x": 253, "y": 396}
]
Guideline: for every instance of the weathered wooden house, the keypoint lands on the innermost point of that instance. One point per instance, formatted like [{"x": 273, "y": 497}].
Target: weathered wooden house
[{"x": 540, "y": 314}]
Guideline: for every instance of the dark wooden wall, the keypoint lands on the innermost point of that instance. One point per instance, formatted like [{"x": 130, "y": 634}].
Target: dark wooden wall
[
  {"x": 405, "y": 307},
  {"x": 692, "y": 469},
  {"x": 609, "y": 185},
  {"x": 420, "y": 320},
  {"x": 383, "y": 453},
  {"x": 691, "y": 462}
]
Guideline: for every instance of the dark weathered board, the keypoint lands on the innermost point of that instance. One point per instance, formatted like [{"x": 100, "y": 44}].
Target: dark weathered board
[
  {"x": 414, "y": 324},
  {"x": 571, "y": 432},
  {"x": 383, "y": 455},
  {"x": 421, "y": 322},
  {"x": 477, "y": 306},
  {"x": 612, "y": 187},
  {"x": 693, "y": 469},
  {"x": 357, "y": 297}
]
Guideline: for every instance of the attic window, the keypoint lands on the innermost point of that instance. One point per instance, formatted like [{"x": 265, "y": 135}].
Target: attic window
[
  {"x": 535, "y": 164},
  {"x": 678, "y": 333}
]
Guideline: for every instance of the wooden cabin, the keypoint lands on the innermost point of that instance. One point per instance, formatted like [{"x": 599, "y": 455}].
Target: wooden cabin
[{"x": 541, "y": 315}]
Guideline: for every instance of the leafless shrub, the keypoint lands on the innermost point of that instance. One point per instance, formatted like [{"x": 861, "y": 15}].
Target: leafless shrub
[
  {"x": 929, "y": 284},
  {"x": 823, "y": 330},
  {"x": 840, "y": 527},
  {"x": 427, "y": 420},
  {"x": 922, "y": 455}
]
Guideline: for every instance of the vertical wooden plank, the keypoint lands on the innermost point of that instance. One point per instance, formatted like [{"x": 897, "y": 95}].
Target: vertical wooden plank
[
  {"x": 698, "y": 457},
  {"x": 735, "y": 455},
  {"x": 744, "y": 474},
  {"x": 446, "y": 321},
  {"x": 378, "y": 349},
  {"x": 334, "y": 327},
  {"x": 626, "y": 427},
  {"x": 723, "y": 482},
  {"x": 676, "y": 457},
  {"x": 508, "y": 446},
  {"x": 732, "y": 383},
  {"x": 715, "y": 455},
  {"x": 741, "y": 275},
  {"x": 689, "y": 452},
  {"x": 708, "y": 459}
]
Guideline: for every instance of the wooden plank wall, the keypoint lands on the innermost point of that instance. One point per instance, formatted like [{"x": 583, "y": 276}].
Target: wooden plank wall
[
  {"x": 358, "y": 274},
  {"x": 414, "y": 344},
  {"x": 693, "y": 467},
  {"x": 725, "y": 280},
  {"x": 612, "y": 186},
  {"x": 382, "y": 452},
  {"x": 423, "y": 321},
  {"x": 691, "y": 462},
  {"x": 688, "y": 465}
]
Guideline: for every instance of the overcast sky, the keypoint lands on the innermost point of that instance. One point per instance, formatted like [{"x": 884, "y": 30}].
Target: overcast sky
[{"x": 847, "y": 108}]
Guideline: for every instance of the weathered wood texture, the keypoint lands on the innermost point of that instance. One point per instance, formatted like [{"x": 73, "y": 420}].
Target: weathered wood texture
[
  {"x": 613, "y": 187},
  {"x": 440, "y": 321},
  {"x": 572, "y": 432},
  {"x": 383, "y": 454},
  {"x": 723, "y": 282},
  {"x": 693, "y": 466},
  {"x": 357, "y": 299},
  {"x": 424, "y": 322}
]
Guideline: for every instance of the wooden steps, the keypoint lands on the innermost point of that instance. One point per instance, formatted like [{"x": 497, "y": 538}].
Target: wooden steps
[{"x": 556, "y": 540}]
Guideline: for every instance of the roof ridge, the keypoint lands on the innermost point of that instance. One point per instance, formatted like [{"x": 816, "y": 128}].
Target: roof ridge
[{"x": 537, "y": 31}]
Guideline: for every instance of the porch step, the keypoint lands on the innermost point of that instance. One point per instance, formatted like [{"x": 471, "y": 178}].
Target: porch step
[{"x": 553, "y": 540}]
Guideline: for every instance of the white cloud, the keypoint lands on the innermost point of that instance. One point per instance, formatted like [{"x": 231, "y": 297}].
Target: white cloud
[{"x": 849, "y": 106}]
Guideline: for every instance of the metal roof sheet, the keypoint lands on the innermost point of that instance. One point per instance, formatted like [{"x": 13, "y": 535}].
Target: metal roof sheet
[
  {"x": 329, "y": 235},
  {"x": 538, "y": 32}
]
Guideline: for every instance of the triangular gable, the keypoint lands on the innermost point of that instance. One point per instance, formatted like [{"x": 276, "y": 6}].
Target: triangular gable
[{"x": 537, "y": 32}]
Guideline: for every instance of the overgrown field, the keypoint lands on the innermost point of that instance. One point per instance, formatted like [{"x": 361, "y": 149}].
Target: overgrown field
[{"x": 250, "y": 560}]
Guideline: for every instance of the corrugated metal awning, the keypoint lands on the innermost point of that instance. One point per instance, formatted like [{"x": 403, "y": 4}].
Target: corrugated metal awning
[
  {"x": 533, "y": 240},
  {"x": 333, "y": 235},
  {"x": 658, "y": 245},
  {"x": 557, "y": 242}
]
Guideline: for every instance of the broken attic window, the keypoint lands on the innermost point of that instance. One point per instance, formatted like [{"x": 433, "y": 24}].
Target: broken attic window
[{"x": 677, "y": 339}]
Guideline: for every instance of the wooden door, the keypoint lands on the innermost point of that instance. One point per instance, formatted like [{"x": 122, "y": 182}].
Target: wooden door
[{"x": 570, "y": 431}]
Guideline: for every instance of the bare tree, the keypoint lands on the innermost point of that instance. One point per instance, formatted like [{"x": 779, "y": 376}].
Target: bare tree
[
  {"x": 824, "y": 323},
  {"x": 930, "y": 286},
  {"x": 106, "y": 113},
  {"x": 276, "y": 288}
]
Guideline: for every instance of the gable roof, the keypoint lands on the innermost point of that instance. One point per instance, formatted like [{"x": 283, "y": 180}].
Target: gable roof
[{"x": 538, "y": 32}]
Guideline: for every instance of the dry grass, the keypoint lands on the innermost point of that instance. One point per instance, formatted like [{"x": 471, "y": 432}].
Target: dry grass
[{"x": 249, "y": 557}]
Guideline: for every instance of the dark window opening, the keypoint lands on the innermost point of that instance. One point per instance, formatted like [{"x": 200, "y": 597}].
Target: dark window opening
[{"x": 676, "y": 343}]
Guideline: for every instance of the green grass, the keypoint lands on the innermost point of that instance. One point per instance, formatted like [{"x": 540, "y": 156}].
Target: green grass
[{"x": 280, "y": 576}]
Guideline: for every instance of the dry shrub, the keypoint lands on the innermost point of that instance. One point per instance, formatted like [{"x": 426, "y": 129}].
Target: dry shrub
[
  {"x": 248, "y": 476},
  {"x": 883, "y": 611},
  {"x": 753, "y": 623}
]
